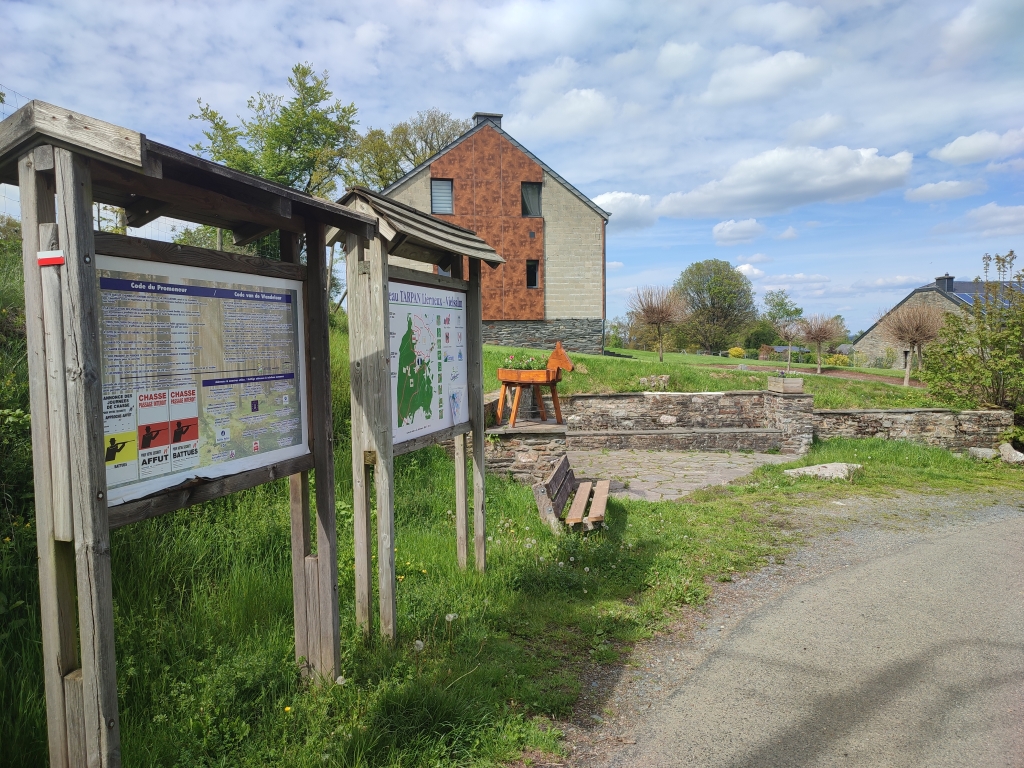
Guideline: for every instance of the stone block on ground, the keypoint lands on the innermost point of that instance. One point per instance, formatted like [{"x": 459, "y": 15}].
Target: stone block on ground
[
  {"x": 983, "y": 453},
  {"x": 836, "y": 470},
  {"x": 1010, "y": 454}
]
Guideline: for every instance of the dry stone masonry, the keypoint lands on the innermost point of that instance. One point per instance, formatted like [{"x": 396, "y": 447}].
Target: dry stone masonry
[{"x": 721, "y": 421}]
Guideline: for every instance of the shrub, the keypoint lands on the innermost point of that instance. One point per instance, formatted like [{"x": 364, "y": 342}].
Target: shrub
[
  {"x": 736, "y": 352},
  {"x": 837, "y": 359}
]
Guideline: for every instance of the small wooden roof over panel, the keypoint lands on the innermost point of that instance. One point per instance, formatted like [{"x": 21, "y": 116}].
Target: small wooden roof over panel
[
  {"x": 413, "y": 234},
  {"x": 149, "y": 179}
]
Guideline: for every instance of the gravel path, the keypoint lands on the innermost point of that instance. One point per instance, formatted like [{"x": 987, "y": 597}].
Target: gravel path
[{"x": 895, "y": 637}]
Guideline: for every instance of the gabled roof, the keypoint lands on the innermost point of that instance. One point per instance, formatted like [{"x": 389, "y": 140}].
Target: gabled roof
[
  {"x": 410, "y": 232},
  {"x": 479, "y": 127},
  {"x": 961, "y": 293}
]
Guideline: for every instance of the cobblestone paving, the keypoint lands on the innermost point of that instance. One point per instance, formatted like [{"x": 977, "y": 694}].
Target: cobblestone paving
[{"x": 659, "y": 475}]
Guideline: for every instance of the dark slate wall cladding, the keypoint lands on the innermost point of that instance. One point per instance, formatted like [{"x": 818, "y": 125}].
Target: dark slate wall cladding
[
  {"x": 577, "y": 334},
  {"x": 930, "y": 426}
]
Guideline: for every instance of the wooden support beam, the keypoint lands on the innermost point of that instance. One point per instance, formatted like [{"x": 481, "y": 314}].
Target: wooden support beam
[
  {"x": 314, "y": 638},
  {"x": 322, "y": 432},
  {"x": 243, "y": 234},
  {"x": 198, "y": 491},
  {"x": 378, "y": 332},
  {"x": 290, "y": 249},
  {"x": 143, "y": 211},
  {"x": 56, "y": 390},
  {"x": 88, "y": 471},
  {"x": 199, "y": 204},
  {"x": 172, "y": 253},
  {"x": 475, "y": 372},
  {"x": 56, "y": 562},
  {"x": 461, "y": 503},
  {"x": 298, "y": 487},
  {"x": 74, "y": 707},
  {"x": 358, "y": 313}
]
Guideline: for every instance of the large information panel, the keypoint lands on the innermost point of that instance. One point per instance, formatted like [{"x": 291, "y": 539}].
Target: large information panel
[
  {"x": 203, "y": 374},
  {"x": 428, "y": 359}
]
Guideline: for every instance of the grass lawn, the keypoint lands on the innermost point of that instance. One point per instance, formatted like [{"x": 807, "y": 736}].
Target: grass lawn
[
  {"x": 773, "y": 365},
  {"x": 695, "y": 373},
  {"x": 203, "y": 614}
]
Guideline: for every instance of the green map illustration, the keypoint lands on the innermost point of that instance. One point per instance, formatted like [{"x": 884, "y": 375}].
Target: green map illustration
[{"x": 415, "y": 363}]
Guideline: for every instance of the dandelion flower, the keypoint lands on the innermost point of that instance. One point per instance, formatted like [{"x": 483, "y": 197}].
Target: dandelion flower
[
  {"x": 584, "y": 591},
  {"x": 572, "y": 559},
  {"x": 561, "y": 565},
  {"x": 490, "y": 538},
  {"x": 418, "y": 646},
  {"x": 339, "y": 680},
  {"x": 287, "y": 709},
  {"x": 423, "y": 571},
  {"x": 586, "y": 570},
  {"x": 450, "y": 617}
]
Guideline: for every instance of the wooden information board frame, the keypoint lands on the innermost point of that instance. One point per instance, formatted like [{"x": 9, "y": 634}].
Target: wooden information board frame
[
  {"x": 406, "y": 235},
  {"x": 62, "y": 162}
]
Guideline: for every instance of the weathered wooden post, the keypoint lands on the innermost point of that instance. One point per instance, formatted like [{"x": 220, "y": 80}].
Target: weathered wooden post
[{"x": 416, "y": 371}]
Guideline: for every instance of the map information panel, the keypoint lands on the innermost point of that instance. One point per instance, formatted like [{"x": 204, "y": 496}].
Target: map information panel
[
  {"x": 428, "y": 360},
  {"x": 203, "y": 374}
]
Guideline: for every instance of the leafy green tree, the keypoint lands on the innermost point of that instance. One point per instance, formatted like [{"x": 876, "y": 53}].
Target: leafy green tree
[
  {"x": 382, "y": 157},
  {"x": 720, "y": 301},
  {"x": 760, "y": 334},
  {"x": 302, "y": 142},
  {"x": 978, "y": 358}
]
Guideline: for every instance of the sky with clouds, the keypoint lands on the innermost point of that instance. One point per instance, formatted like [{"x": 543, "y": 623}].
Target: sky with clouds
[{"x": 845, "y": 150}]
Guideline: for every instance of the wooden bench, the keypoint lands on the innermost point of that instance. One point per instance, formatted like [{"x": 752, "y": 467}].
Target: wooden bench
[{"x": 553, "y": 494}]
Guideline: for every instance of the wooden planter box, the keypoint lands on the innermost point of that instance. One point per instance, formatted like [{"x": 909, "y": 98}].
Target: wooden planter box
[
  {"x": 513, "y": 376},
  {"x": 785, "y": 386}
]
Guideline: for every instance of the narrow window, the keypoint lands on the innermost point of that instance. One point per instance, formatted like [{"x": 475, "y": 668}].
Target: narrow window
[
  {"x": 441, "y": 196},
  {"x": 531, "y": 198},
  {"x": 531, "y": 273}
]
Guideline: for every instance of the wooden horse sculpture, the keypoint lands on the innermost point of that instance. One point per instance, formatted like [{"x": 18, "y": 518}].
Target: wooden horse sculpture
[{"x": 549, "y": 377}]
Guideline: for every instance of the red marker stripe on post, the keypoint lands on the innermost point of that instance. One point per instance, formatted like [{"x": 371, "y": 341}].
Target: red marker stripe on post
[{"x": 50, "y": 258}]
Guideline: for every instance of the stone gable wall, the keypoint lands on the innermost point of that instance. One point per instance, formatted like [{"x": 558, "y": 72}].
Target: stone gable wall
[{"x": 873, "y": 344}]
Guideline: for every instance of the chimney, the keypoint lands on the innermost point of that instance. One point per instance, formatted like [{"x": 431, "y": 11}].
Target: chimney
[
  {"x": 945, "y": 283},
  {"x": 480, "y": 117}
]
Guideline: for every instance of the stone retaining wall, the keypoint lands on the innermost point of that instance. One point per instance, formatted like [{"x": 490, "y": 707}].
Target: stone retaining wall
[
  {"x": 930, "y": 426},
  {"x": 664, "y": 410},
  {"x": 793, "y": 415},
  {"x": 528, "y": 455}
]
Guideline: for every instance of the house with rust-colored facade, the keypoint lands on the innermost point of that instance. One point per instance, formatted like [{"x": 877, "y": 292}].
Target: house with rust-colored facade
[{"x": 552, "y": 237}]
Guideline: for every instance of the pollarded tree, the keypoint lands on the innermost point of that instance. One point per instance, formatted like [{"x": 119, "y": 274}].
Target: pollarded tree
[
  {"x": 819, "y": 330},
  {"x": 658, "y": 307},
  {"x": 912, "y": 325}
]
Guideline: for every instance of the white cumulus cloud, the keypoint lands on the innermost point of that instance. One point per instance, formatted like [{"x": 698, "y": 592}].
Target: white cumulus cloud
[
  {"x": 790, "y": 233},
  {"x": 734, "y": 232},
  {"x": 750, "y": 271},
  {"x": 615, "y": 265},
  {"x": 676, "y": 59},
  {"x": 783, "y": 178},
  {"x": 809, "y": 131},
  {"x": 757, "y": 258},
  {"x": 983, "y": 145},
  {"x": 764, "y": 78},
  {"x": 780, "y": 22},
  {"x": 893, "y": 282},
  {"x": 994, "y": 220},
  {"x": 628, "y": 209},
  {"x": 944, "y": 190}
]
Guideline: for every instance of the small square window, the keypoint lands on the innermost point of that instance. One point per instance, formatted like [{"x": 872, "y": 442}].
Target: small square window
[
  {"x": 441, "y": 196},
  {"x": 531, "y": 198},
  {"x": 532, "y": 268}
]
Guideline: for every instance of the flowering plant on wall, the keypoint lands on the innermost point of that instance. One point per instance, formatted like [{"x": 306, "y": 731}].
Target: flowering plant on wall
[{"x": 520, "y": 361}]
